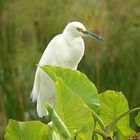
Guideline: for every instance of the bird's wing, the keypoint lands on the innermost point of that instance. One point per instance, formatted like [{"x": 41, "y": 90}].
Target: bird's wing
[
  {"x": 44, "y": 88},
  {"x": 48, "y": 58},
  {"x": 52, "y": 51},
  {"x": 35, "y": 86}
]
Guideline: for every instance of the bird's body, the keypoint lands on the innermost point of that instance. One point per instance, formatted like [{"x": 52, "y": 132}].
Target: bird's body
[{"x": 66, "y": 50}]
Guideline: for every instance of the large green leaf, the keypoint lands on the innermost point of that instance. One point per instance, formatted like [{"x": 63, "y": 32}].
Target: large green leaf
[
  {"x": 137, "y": 119},
  {"x": 77, "y": 82},
  {"x": 114, "y": 104},
  {"x": 73, "y": 111},
  {"x": 31, "y": 130}
]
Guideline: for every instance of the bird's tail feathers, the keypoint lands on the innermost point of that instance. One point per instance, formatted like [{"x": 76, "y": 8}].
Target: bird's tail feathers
[
  {"x": 41, "y": 111},
  {"x": 33, "y": 96},
  {"x": 35, "y": 89}
]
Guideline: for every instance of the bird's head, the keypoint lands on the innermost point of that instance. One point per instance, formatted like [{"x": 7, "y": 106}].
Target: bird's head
[{"x": 76, "y": 29}]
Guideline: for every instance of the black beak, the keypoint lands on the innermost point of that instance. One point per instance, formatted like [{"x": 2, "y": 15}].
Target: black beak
[{"x": 88, "y": 33}]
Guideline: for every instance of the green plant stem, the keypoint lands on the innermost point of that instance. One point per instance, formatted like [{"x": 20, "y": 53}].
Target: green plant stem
[
  {"x": 94, "y": 123},
  {"x": 58, "y": 122},
  {"x": 98, "y": 119},
  {"x": 101, "y": 133},
  {"x": 115, "y": 121}
]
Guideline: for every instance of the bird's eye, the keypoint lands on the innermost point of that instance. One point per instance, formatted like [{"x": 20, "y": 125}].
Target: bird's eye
[{"x": 80, "y": 30}]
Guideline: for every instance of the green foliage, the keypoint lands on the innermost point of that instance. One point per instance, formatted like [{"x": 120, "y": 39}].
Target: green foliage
[
  {"x": 77, "y": 82},
  {"x": 31, "y": 130},
  {"x": 113, "y": 104},
  {"x": 137, "y": 119},
  {"x": 72, "y": 118},
  {"x": 72, "y": 109}
]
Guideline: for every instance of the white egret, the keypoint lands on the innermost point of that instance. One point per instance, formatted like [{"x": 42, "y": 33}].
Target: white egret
[{"x": 64, "y": 50}]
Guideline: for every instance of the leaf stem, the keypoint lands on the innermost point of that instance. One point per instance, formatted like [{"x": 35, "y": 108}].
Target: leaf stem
[
  {"x": 98, "y": 119},
  {"x": 101, "y": 133},
  {"x": 58, "y": 122}
]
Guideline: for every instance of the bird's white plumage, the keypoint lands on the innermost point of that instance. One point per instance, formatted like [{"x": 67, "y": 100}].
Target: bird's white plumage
[{"x": 65, "y": 50}]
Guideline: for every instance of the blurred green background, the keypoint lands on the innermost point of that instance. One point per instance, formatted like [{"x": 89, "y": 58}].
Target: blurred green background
[{"x": 26, "y": 27}]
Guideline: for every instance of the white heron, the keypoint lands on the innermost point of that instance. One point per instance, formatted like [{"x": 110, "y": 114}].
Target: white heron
[{"x": 66, "y": 50}]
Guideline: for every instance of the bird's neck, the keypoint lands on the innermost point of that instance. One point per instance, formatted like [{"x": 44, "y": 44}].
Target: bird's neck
[{"x": 69, "y": 36}]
